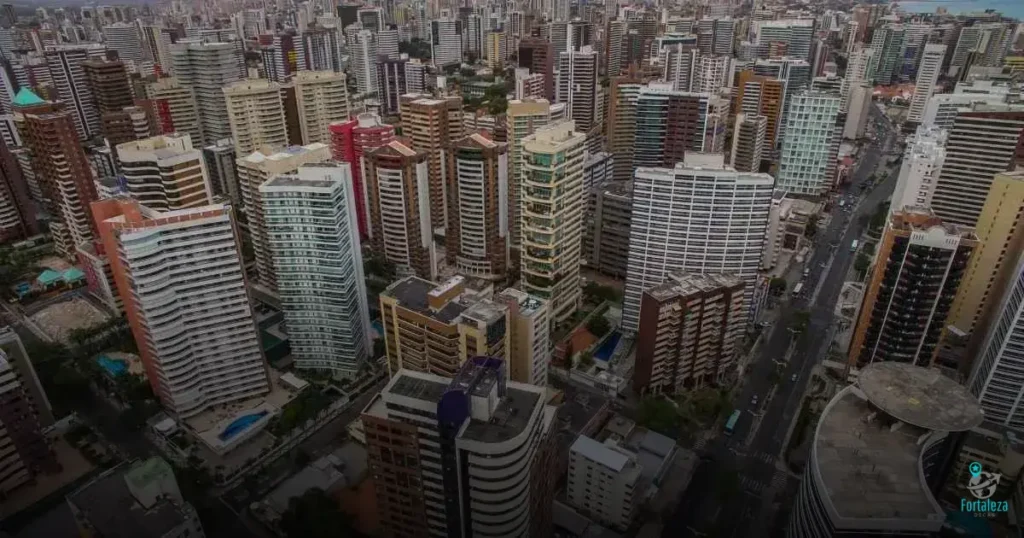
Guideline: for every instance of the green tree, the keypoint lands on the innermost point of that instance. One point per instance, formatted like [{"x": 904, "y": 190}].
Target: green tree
[
  {"x": 777, "y": 285},
  {"x": 659, "y": 415},
  {"x": 599, "y": 326},
  {"x": 315, "y": 514},
  {"x": 862, "y": 263},
  {"x": 585, "y": 361},
  {"x": 812, "y": 226},
  {"x": 497, "y": 105},
  {"x": 597, "y": 293},
  {"x": 800, "y": 321}
]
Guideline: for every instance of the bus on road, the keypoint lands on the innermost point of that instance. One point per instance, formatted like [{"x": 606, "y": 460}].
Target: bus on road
[
  {"x": 798, "y": 288},
  {"x": 853, "y": 247},
  {"x": 731, "y": 424}
]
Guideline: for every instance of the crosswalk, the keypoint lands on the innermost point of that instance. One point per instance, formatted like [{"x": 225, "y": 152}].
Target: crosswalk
[
  {"x": 765, "y": 457},
  {"x": 749, "y": 484},
  {"x": 702, "y": 440}
]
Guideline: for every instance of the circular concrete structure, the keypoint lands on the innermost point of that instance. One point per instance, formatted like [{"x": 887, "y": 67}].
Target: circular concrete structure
[{"x": 922, "y": 397}]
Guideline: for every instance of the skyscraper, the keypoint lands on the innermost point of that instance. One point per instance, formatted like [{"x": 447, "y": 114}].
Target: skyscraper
[
  {"x": 748, "y": 142},
  {"x": 350, "y": 140},
  {"x": 64, "y": 63},
  {"x": 669, "y": 124},
  {"x": 919, "y": 171},
  {"x": 108, "y": 83},
  {"x": 552, "y": 216},
  {"x": 60, "y": 168},
  {"x": 364, "y": 62},
  {"x": 984, "y": 141},
  {"x": 421, "y": 418},
  {"x": 622, "y": 124},
  {"x": 758, "y": 95},
  {"x": 256, "y": 169},
  {"x": 877, "y": 457},
  {"x": 321, "y": 98},
  {"x": 165, "y": 172},
  {"x": 577, "y": 87},
  {"x": 17, "y": 213},
  {"x": 398, "y": 199},
  {"x": 689, "y": 331},
  {"x": 175, "y": 109},
  {"x": 203, "y": 69},
  {"x": 219, "y": 159},
  {"x": 431, "y": 125},
  {"x": 927, "y": 76},
  {"x": 256, "y": 114},
  {"x": 446, "y": 41},
  {"x": 524, "y": 117},
  {"x": 126, "y": 40},
  {"x": 808, "y": 152},
  {"x": 311, "y": 214},
  {"x": 26, "y": 412},
  {"x": 887, "y": 42},
  {"x": 476, "y": 238},
  {"x": 529, "y": 326},
  {"x": 537, "y": 54},
  {"x": 172, "y": 271},
  {"x": 676, "y": 211},
  {"x": 918, "y": 267}
]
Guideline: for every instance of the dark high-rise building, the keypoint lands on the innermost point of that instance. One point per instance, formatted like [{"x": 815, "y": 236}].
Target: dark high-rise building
[
  {"x": 108, "y": 82},
  {"x": 537, "y": 54},
  {"x": 17, "y": 211}
]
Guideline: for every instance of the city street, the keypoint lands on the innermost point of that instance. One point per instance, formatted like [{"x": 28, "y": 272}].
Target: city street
[{"x": 700, "y": 512}]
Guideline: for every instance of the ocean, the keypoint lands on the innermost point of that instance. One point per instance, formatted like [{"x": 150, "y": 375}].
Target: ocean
[{"x": 1009, "y": 8}]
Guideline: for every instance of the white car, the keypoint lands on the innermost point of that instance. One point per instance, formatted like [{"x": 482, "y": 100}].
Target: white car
[
  {"x": 753, "y": 401},
  {"x": 793, "y": 378}
]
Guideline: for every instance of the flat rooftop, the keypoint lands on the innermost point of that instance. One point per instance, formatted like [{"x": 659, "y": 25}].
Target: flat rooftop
[
  {"x": 115, "y": 513},
  {"x": 685, "y": 284},
  {"x": 869, "y": 469},
  {"x": 418, "y": 388},
  {"x": 508, "y": 420},
  {"x": 412, "y": 293},
  {"x": 919, "y": 396}
]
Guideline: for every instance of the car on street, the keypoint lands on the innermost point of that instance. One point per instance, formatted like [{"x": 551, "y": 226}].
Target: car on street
[
  {"x": 753, "y": 401},
  {"x": 793, "y": 378}
]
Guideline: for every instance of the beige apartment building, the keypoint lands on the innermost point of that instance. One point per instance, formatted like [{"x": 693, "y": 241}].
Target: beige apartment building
[
  {"x": 165, "y": 172},
  {"x": 257, "y": 115},
  {"x": 321, "y": 98}
]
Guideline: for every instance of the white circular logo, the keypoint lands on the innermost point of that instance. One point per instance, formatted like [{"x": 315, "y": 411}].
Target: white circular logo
[{"x": 983, "y": 485}]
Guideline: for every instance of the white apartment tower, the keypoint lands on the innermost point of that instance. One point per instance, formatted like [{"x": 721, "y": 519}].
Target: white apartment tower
[
  {"x": 182, "y": 280},
  {"x": 446, "y": 41},
  {"x": 124, "y": 37},
  {"x": 204, "y": 69},
  {"x": 701, "y": 217},
  {"x": 524, "y": 117},
  {"x": 996, "y": 379},
  {"x": 311, "y": 215},
  {"x": 364, "y": 62},
  {"x": 321, "y": 98},
  {"x": 927, "y": 76},
  {"x": 552, "y": 216},
  {"x": 64, "y": 63},
  {"x": 176, "y": 106},
  {"x": 165, "y": 172},
  {"x": 922, "y": 162},
  {"x": 808, "y": 150}
]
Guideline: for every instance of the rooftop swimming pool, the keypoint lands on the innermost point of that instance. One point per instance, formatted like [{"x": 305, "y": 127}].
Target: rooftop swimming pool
[
  {"x": 113, "y": 367},
  {"x": 604, "y": 352},
  {"x": 241, "y": 424}
]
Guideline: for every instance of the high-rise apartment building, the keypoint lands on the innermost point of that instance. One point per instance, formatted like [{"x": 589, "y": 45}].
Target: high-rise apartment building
[
  {"x": 919, "y": 264},
  {"x": 60, "y": 168},
  {"x": 476, "y": 235},
  {"x": 124, "y": 37},
  {"x": 748, "y": 142},
  {"x": 17, "y": 213},
  {"x": 496, "y": 49},
  {"x": 175, "y": 109},
  {"x": 758, "y": 95},
  {"x": 256, "y": 169},
  {"x": 321, "y": 98},
  {"x": 64, "y": 63},
  {"x": 606, "y": 227},
  {"x": 473, "y": 415},
  {"x": 108, "y": 83},
  {"x": 927, "y": 77},
  {"x": 887, "y": 42},
  {"x": 524, "y": 117},
  {"x": 711, "y": 74},
  {"x": 220, "y": 161},
  {"x": 615, "y": 32},
  {"x": 622, "y": 124},
  {"x": 391, "y": 84},
  {"x": 982, "y": 44},
  {"x": 538, "y": 55},
  {"x": 350, "y": 140},
  {"x": 919, "y": 171},
  {"x": 577, "y": 86},
  {"x": 435, "y": 328},
  {"x": 322, "y": 49},
  {"x": 809, "y": 151},
  {"x": 877, "y": 459},
  {"x": 256, "y": 114},
  {"x": 552, "y": 216},
  {"x": 990, "y": 273},
  {"x": 446, "y": 41},
  {"x": 794, "y": 35},
  {"x": 432, "y": 125},
  {"x": 311, "y": 215},
  {"x": 182, "y": 280},
  {"x": 529, "y": 326},
  {"x": 398, "y": 202},
  {"x": 690, "y": 330},
  {"x": 364, "y": 62},
  {"x": 700, "y": 216},
  {"x": 165, "y": 172},
  {"x": 204, "y": 69},
  {"x": 669, "y": 124},
  {"x": 25, "y": 413},
  {"x": 984, "y": 141}
]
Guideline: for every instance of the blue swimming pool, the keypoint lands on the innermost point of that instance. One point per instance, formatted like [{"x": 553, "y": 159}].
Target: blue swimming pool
[
  {"x": 604, "y": 352},
  {"x": 240, "y": 424},
  {"x": 113, "y": 367}
]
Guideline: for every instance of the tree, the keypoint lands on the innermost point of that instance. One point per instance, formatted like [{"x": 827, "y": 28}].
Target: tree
[
  {"x": 777, "y": 285},
  {"x": 497, "y": 105},
  {"x": 812, "y": 227},
  {"x": 659, "y": 415},
  {"x": 586, "y": 360},
  {"x": 314, "y": 514},
  {"x": 862, "y": 263},
  {"x": 599, "y": 326},
  {"x": 597, "y": 293},
  {"x": 800, "y": 321}
]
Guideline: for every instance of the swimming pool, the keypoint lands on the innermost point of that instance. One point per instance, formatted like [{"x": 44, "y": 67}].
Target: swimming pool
[
  {"x": 240, "y": 424},
  {"x": 604, "y": 352},
  {"x": 113, "y": 367}
]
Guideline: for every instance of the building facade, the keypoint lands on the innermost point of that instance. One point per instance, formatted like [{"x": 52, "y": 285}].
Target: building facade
[
  {"x": 165, "y": 172},
  {"x": 321, "y": 98},
  {"x": 204, "y": 69},
  {"x": 808, "y": 152},
  {"x": 529, "y": 327}
]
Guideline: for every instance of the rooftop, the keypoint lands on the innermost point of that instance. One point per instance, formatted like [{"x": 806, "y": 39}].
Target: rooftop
[
  {"x": 26, "y": 97},
  {"x": 919, "y": 396},
  {"x": 418, "y": 387},
  {"x": 412, "y": 293},
  {"x": 869, "y": 468},
  {"x": 509, "y": 418},
  {"x": 686, "y": 284},
  {"x": 600, "y": 453},
  {"x": 113, "y": 511}
]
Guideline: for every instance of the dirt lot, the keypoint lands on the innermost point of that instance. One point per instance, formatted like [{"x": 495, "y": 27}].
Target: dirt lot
[{"x": 58, "y": 320}]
